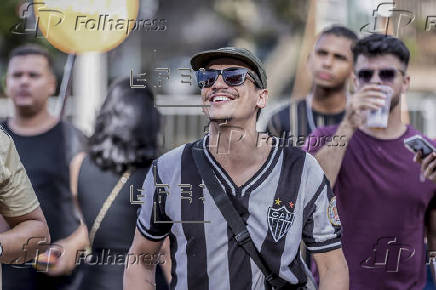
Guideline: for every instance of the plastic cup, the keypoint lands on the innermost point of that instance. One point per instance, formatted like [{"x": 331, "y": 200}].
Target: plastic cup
[{"x": 379, "y": 118}]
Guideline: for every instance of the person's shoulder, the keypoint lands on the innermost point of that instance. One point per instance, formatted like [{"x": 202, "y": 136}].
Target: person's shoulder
[
  {"x": 285, "y": 108},
  {"x": 70, "y": 127},
  {"x": 326, "y": 131},
  {"x": 5, "y": 140},
  {"x": 303, "y": 162},
  {"x": 312, "y": 163},
  {"x": 173, "y": 155},
  {"x": 299, "y": 103},
  {"x": 4, "y": 134},
  {"x": 281, "y": 111},
  {"x": 296, "y": 154},
  {"x": 4, "y": 127}
]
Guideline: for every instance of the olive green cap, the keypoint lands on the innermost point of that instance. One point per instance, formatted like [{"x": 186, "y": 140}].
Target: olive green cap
[{"x": 202, "y": 59}]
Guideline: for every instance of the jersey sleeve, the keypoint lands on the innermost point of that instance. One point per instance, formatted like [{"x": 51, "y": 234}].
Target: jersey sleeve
[
  {"x": 17, "y": 196},
  {"x": 152, "y": 222},
  {"x": 322, "y": 229}
]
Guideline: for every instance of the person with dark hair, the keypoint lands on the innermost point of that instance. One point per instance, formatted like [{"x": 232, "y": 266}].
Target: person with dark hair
[
  {"x": 331, "y": 64},
  {"x": 46, "y": 146},
  {"x": 381, "y": 198},
  {"x": 106, "y": 180},
  {"x": 236, "y": 210}
]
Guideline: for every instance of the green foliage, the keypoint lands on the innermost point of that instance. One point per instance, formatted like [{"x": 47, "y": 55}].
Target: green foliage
[{"x": 9, "y": 17}]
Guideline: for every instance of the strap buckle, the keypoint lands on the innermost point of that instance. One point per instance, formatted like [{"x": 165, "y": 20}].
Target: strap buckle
[{"x": 242, "y": 237}]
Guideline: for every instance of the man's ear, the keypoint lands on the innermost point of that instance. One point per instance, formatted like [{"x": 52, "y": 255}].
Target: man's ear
[
  {"x": 262, "y": 98},
  {"x": 406, "y": 84}
]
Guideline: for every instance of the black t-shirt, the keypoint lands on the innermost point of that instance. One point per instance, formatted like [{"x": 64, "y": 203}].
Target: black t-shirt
[
  {"x": 118, "y": 226},
  {"x": 293, "y": 120},
  {"x": 46, "y": 158}
]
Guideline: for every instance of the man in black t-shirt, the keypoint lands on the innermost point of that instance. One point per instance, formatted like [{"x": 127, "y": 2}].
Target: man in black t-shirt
[
  {"x": 46, "y": 146},
  {"x": 330, "y": 63}
]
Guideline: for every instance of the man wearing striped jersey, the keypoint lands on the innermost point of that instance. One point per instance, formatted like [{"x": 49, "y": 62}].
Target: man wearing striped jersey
[
  {"x": 281, "y": 194},
  {"x": 330, "y": 64}
]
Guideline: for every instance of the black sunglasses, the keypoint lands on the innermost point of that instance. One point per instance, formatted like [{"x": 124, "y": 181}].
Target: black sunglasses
[
  {"x": 386, "y": 75},
  {"x": 233, "y": 76}
]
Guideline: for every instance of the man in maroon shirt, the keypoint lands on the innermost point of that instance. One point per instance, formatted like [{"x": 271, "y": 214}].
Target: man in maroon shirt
[
  {"x": 381, "y": 198},
  {"x": 428, "y": 166}
]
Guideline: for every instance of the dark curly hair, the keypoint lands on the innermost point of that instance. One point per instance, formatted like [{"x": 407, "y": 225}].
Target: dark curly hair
[
  {"x": 379, "y": 44},
  {"x": 126, "y": 129}
]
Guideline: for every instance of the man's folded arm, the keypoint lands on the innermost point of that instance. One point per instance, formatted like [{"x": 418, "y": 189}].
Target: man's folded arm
[{"x": 28, "y": 233}]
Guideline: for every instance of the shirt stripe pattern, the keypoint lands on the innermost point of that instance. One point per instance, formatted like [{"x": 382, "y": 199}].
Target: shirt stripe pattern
[{"x": 285, "y": 202}]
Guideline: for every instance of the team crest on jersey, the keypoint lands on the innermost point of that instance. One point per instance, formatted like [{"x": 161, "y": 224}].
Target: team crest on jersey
[
  {"x": 279, "y": 222},
  {"x": 332, "y": 213}
]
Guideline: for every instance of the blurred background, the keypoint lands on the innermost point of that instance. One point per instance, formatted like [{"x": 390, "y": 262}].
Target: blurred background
[{"x": 280, "y": 32}]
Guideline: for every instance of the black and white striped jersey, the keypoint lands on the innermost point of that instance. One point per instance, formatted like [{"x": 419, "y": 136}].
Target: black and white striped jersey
[
  {"x": 291, "y": 121},
  {"x": 288, "y": 200}
]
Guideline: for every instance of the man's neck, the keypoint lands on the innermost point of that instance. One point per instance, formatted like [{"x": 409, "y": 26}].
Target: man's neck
[
  {"x": 329, "y": 100},
  {"x": 237, "y": 147},
  {"x": 394, "y": 130},
  {"x": 32, "y": 125}
]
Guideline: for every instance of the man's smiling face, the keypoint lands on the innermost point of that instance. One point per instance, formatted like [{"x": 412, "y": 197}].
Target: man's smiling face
[{"x": 232, "y": 102}]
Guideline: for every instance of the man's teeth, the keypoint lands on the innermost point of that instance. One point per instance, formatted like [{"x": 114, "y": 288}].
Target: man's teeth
[{"x": 220, "y": 98}]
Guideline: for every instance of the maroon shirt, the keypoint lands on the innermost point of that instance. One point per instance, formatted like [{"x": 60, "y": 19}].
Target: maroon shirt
[{"x": 381, "y": 202}]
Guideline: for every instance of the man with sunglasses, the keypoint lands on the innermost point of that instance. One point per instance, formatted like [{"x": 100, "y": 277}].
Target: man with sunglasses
[
  {"x": 200, "y": 193},
  {"x": 381, "y": 198},
  {"x": 330, "y": 64}
]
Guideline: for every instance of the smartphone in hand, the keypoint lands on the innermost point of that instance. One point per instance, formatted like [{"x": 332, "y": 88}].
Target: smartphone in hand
[{"x": 417, "y": 143}]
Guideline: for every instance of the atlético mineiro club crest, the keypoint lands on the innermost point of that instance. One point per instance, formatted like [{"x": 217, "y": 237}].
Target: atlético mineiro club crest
[{"x": 279, "y": 222}]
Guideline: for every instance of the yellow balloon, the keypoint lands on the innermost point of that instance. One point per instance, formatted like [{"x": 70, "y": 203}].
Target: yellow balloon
[{"x": 78, "y": 26}]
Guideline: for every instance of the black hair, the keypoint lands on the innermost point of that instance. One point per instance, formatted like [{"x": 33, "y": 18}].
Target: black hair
[
  {"x": 340, "y": 31},
  {"x": 126, "y": 129},
  {"x": 29, "y": 49},
  {"x": 379, "y": 44}
]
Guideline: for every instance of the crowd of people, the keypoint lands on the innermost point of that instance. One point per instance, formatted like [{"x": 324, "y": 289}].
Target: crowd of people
[{"x": 225, "y": 211}]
